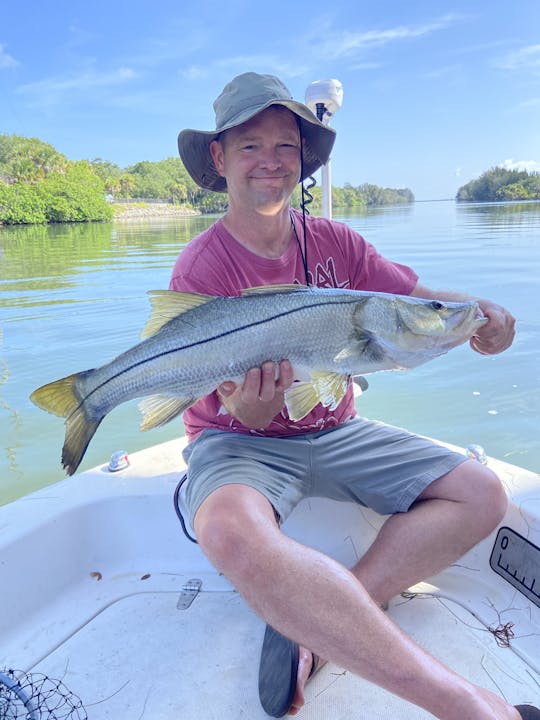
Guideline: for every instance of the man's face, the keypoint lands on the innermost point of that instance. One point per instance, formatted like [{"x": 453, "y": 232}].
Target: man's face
[{"x": 260, "y": 160}]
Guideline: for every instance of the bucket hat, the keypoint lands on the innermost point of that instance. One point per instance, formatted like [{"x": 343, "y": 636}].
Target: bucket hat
[{"x": 241, "y": 99}]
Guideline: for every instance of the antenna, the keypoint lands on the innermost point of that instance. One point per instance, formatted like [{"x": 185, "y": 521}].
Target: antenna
[{"x": 324, "y": 98}]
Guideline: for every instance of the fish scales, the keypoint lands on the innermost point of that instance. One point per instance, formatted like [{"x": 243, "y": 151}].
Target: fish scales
[{"x": 288, "y": 329}]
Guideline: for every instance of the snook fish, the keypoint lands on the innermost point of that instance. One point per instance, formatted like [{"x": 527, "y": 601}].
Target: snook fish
[{"x": 194, "y": 342}]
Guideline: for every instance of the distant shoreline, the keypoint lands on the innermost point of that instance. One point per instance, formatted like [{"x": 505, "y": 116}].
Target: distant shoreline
[{"x": 138, "y": 212}]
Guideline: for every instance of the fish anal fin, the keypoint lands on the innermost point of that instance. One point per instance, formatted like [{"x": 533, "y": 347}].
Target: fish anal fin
[
  {"x": 300, "y": 400},
  {"x": 168, "y": 304},
  {"x": 158, "y": 410},
  {"x": 325, "y": 388}
]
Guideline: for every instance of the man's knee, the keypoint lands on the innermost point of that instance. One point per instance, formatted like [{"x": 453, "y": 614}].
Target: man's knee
[
  {"x": 478, "y": 489},
  {"x": 485, "y": 495},
  {"x": 496, "y": 499},
  {"x": 231, "y": 525}
]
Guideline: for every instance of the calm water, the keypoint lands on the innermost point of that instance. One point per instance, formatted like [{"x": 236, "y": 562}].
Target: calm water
[{"x": 72, "y": 297}]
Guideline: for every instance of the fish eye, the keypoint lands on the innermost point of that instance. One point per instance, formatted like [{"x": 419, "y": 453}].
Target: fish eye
[{"x": 436, "y": 305}]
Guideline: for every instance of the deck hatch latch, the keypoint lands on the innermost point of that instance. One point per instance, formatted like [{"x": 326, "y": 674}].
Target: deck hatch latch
[{"x": 188, "y": 594}]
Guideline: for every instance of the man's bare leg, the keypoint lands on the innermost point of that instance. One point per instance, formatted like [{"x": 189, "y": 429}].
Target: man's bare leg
[
  {"x": 453, "y": 514},
  {"x": 321, "y": 605}
]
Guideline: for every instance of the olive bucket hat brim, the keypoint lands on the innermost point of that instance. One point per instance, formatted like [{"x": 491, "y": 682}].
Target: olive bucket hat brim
[{"x": 244, "y": 97}]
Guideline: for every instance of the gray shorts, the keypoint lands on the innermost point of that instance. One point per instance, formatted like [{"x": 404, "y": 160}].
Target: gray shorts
[{"x": 362, "y": 461}]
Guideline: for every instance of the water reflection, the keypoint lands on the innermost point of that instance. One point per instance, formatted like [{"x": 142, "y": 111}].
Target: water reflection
[
  {"x": 402, "y": 210},
  {"x": 516, "y": 213},
  {"x": 50, "y": 258}
]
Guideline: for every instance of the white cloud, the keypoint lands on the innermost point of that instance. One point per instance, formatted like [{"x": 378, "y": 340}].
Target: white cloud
[
  {"x": 528, "y": 165},
  {"x": 51, "y": 90},
  {"x": 533, "y": 102},
  {"x": 272, "y": 63},
  {"x": 347, "y": 43},
  {"x": 83, "y": 81},
  {"x": 6, "y": 61},
  {"x": 320, "y": 41},
  {"x": 194, "y": 72},
  {"x": 367, "y": 66},
  {"x": 526, "y": 58},
  {"x": 446, "y": 71}
]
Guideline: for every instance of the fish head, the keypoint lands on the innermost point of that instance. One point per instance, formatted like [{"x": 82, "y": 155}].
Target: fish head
[
  {"x": 450, "y": 323},
  {"x": 412, "y": 330}
]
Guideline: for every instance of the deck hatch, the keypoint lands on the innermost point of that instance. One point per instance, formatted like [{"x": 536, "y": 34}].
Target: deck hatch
[{"x": 517, "y": 560}]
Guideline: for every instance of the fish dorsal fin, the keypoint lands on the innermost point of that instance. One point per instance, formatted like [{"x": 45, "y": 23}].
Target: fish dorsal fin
[
  {"x": 168, "y": 304},
  {"x": 267, "y": 289},
  {"x": 158, "y": 410},
  {"x": 326, "y": 388}
]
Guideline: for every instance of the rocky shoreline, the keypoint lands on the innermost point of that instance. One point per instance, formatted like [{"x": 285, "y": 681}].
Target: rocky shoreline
[{"x": 138, "y": 212}]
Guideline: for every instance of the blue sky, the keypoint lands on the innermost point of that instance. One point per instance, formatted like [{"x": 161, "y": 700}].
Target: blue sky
[{"x": 434, "y": 92}]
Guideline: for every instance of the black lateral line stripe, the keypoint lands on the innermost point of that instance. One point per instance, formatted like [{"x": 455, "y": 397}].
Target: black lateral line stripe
[{"x": 341, "y": 301}]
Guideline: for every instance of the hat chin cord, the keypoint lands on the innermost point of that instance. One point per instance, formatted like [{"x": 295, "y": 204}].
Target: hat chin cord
[{"x": 307, "y": 198}]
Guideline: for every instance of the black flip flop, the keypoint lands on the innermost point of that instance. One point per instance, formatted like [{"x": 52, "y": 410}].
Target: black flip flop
[
  {"x": 278, "y": 673},
  {"x": 528, "y": 712}
]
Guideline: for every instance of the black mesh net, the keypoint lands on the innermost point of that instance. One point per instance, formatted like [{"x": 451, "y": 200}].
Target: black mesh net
[{"x": 33, "y": 696}]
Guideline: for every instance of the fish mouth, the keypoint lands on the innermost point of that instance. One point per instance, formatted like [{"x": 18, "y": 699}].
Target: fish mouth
[
  {"x": 474, "y": 320},
  {"x": 480, "y": 318}
]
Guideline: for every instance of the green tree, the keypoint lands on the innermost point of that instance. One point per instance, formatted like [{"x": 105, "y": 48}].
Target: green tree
[
  {"x": 109, "y": 173},
  {"x": 29, "y": 160},
  {"x": 21, "y": 203},
  {"x": 164, "y": 179},
  {"x": 499, "y": 183},
  {"x": 513, "y": 191},
  {"x": 125, "y": 185},
  {"x": 74, "y": 196}
]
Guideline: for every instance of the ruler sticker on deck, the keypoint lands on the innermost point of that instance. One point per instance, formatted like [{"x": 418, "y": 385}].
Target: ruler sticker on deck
[{"x": 517, "y": 560}]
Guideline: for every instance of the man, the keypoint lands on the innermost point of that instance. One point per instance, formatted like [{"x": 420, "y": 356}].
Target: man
[{"x": 248, "y": 461}]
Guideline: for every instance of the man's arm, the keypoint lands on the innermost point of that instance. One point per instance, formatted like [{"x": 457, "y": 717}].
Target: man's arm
[{"x": 493, "y": 337}]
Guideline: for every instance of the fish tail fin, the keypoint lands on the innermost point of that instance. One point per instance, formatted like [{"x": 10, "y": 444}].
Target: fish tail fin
[{"x": 61, "y": 398}]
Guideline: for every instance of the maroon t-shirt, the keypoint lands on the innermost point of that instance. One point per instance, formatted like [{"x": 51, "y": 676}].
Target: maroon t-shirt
[{"x": 214, "y": 263}]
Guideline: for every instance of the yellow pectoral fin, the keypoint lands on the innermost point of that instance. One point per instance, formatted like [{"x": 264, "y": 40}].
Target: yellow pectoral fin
[
  {"x": 168, "y": 304},
  {"x": 325, "y": 388}
]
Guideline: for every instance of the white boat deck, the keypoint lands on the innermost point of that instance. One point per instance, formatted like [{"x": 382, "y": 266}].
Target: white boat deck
[{"x": 92, "y": 572}]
